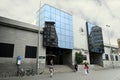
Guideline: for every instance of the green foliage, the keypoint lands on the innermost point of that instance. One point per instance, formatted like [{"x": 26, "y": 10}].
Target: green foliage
[
  {"x": 112, "y": 50},
  {"x": 78, "y": 57}
]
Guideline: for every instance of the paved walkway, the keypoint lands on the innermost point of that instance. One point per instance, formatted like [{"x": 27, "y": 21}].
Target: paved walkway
[{"x": 109, "y": 74}]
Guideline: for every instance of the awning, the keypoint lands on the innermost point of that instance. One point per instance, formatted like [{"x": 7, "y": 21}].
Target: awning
[{"x": 51, "y": 55}]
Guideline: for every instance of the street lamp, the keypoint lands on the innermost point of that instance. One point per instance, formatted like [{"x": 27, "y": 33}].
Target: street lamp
[
  {"x": 38, "y": 48},
  {"x": 110, "y": 45}
]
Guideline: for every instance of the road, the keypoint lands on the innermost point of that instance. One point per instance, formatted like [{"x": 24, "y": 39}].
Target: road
[{"x": 108, "y": 74}]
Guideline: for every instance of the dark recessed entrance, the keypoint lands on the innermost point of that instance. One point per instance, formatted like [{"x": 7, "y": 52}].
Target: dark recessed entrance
[
  {"x": 58, "y": 55},
  {"x": 96, "y": 58}
]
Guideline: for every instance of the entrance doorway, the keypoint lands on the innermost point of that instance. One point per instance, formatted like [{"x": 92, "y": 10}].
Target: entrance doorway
[
  {"x": 96, "y": 58},
  {"x": 59, "y": 55}
]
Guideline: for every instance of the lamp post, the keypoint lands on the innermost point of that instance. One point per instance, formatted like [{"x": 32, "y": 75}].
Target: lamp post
[
  {"x": 38, "y": 48},
  {"x": 110, "y": 45}
]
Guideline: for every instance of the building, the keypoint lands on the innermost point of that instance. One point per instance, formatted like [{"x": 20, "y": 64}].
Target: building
[
  {"x": 21, "y": 39},
  {"x": 111, "y": 57},
  {"x": 96, "y": 40},
  {"x": 18, "y": 39},
  {"x": 95, "y": 43},
  {"x": 64, "y": 30},
  {"x": 102, "y": 54}
]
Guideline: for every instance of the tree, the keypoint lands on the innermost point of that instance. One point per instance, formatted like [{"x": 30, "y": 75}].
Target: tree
[{"x": 78, "y": 57}]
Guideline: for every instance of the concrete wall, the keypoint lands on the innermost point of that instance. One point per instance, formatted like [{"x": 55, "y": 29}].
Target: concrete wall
[
  {"x": 80, "y": 38},
  {"x": 109, "y": 63},
  {"x": 21, "y": 35}
]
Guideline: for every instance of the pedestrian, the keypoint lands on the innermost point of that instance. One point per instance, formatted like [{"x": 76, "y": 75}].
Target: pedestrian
[
  {"x": 51, "y": 62},
  {"x": 76, "y": 67},
  {"x": 18, "y": 64},
  {"x": 51, "y": 68},
  {"x": 86, "y": 68}
]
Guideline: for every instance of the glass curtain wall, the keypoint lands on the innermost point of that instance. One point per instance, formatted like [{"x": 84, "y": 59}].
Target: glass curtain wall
[
  {"x": 63, "y": 24},
  {"x": 95, "y": 38}
]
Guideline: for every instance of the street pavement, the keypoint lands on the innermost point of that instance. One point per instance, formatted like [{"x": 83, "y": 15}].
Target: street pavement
[{"x": 106, "y": 74}]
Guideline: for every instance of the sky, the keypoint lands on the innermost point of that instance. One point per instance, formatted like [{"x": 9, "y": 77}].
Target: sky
[{"x": 98, "y": 12}]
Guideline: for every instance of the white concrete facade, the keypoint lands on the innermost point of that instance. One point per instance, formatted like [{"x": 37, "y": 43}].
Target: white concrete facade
[
  {"x": 81, "y": 44},
  {"x": 21, "y": 34},
  {"x": 111, "y": 63},
  {"x": 80, "y": 39}
]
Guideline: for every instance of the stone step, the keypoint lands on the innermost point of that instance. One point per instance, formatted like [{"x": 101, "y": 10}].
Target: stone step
[{"x": 58, "y": 69}]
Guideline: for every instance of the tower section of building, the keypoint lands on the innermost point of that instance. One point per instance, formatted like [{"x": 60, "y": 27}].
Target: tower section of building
[
  {"x": 63, "y": 24},
  {"x": 96, "y": 40}
]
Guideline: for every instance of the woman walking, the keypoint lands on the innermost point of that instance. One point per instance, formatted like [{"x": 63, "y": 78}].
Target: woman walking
[{"x": 86, "y": 68}]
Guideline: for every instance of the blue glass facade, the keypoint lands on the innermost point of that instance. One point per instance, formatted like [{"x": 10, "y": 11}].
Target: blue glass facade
[
  {"x": 63, "y": 24},
  {"x": 95, "y": 38}
]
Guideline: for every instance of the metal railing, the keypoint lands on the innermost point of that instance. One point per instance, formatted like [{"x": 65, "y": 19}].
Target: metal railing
[{"x": 19, "y": 73}]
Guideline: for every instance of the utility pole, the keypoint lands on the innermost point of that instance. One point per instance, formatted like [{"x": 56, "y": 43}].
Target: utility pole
[
  {"x": 110, "y": 45},
  {"x": 38, "y": 48}
]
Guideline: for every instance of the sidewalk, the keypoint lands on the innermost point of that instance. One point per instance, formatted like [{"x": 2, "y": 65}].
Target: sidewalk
[
  {"x": 56, "y": 76},
  {"x": 109, "y": 74}
]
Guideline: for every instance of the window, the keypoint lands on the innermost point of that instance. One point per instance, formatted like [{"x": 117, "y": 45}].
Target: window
[
  {"x": 6, "y": 50},
  {"x": 30, "y": 52},
  {"x": 112, "y": 57},
  {"x": 106, "y": 57},
  {"x": 84, "y": 57},
  {"x": 116, "y": 57}
]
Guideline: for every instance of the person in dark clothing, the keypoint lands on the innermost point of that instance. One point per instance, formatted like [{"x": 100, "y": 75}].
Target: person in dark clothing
[
  {"x": 51, "y": 68},
  {"x": 76, "y": 67}
]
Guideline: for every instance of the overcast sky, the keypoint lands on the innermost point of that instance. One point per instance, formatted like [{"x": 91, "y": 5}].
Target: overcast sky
[{"x": 99, "y": 12}]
